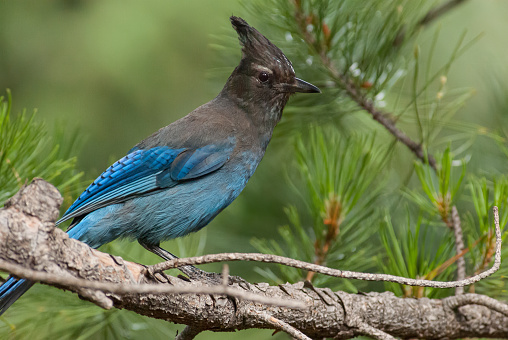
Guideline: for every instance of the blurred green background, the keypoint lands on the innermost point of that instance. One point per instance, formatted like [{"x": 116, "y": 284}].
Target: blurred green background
[
  {"x": 119, "y": 71},
  {"x": 116, "y": 71}
]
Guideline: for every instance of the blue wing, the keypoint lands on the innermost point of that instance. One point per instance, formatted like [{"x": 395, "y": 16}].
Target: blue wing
[{"x": 144, "y": 171}]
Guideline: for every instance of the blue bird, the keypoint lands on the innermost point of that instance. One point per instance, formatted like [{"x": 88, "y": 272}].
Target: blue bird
[{"x": 177, "y": 180}]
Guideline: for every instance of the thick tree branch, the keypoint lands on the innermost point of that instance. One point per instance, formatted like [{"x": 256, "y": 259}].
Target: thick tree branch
[
  {"x": 71, "y": 281},
  {"x": 29, "y": 239}
]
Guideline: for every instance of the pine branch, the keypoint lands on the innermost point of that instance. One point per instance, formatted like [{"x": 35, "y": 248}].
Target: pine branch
[
  {"x": 355, "y": 93},
  {"x": 41, "y": 248},
  {"x": 333, "y": 221},
  {"x": 383, "y": 118},
  {"x": 439, "y": 11},
  {"x": 435, "y": 272},
  {"x": 432, "y": 15},
  {"x": 459, "y": 247}
]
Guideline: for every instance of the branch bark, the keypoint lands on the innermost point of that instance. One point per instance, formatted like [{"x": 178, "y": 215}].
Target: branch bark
[
  {"x": 28, "y": 239},
  {"x": 459, "y": 247}
]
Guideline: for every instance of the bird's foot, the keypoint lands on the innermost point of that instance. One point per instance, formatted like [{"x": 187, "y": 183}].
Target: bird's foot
[{"x": 193, "y": 273}]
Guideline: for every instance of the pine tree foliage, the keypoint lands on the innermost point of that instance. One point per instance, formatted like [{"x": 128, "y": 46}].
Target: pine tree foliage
[
  {"x": 340, "y": 189},
  {"x": 416, "y": 254},
  {"x": 367, "y": 58},
  {"x": 27, "y": 150}
]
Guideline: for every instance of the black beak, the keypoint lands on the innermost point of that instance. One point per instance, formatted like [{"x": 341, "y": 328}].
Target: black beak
[
  {"x": 298, "y": 86},
  {"x": 303, "y": 86}
]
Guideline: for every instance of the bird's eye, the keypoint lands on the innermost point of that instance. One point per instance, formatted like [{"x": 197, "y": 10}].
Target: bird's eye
[{"x": 263, "y": 76}]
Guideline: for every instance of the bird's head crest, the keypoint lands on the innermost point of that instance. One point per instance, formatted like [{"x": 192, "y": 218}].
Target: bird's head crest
[{"x": 257, "y": 48}]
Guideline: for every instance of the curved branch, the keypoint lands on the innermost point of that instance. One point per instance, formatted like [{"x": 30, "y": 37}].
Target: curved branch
[
  {"x": 454, "y": 302},
  {"x": 267, "y": 258}
]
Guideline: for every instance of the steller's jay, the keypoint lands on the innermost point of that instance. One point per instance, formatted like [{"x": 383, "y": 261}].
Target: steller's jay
[{"x": 177, "y": 180}]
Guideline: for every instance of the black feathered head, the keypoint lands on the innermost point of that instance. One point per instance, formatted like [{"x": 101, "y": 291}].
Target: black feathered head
[{"x": 265, "y": 77}]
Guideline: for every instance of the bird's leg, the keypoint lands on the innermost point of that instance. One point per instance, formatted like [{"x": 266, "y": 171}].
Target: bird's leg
[{"x": 192, "y": 272}]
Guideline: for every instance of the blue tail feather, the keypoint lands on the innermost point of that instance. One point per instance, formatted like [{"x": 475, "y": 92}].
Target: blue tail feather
[{"x": 11, "y": 290}]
